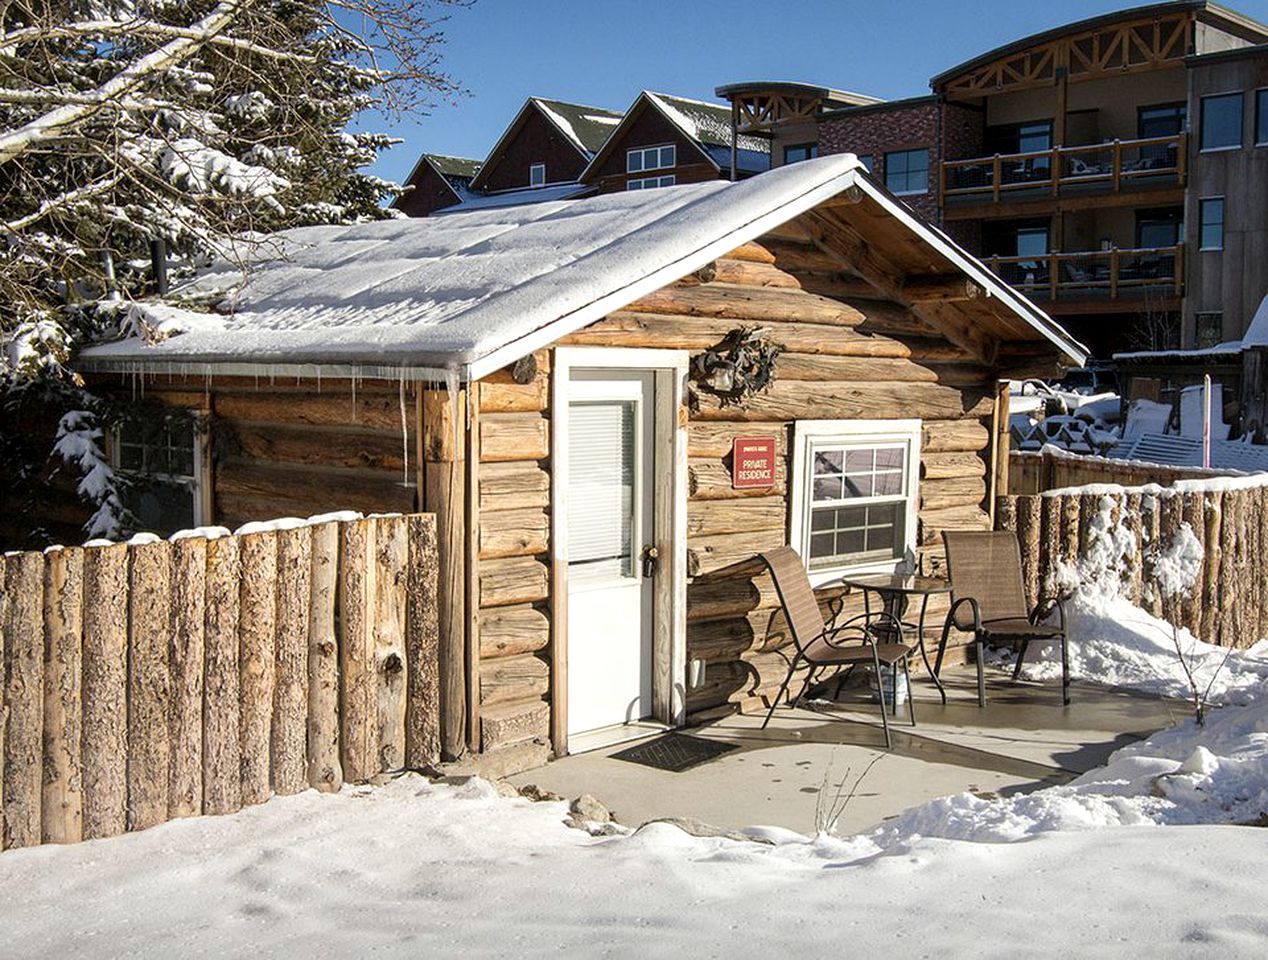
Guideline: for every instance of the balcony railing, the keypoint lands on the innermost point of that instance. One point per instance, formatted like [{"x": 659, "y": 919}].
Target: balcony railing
[
  {"x": 1096, "y": 274},
  {"x": 1113, "y": 165}
]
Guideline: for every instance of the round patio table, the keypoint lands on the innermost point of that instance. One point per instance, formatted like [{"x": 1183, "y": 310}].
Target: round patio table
[{"x": 896, "y": 591}]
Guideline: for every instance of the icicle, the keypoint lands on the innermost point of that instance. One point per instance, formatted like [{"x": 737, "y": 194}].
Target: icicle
[
  {"x": 404, "y": 430},
  {"x": 455, "y": 412},
  {"x": 354, "y": 396}
]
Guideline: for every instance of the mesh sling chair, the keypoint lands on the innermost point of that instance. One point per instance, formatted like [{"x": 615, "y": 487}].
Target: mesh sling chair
[
  {"x": 988, "y": 597},
  {"x": 820, "y": 646}
]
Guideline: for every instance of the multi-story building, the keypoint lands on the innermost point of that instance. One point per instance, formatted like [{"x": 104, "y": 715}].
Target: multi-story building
[{"x": 1113, "y": 169}]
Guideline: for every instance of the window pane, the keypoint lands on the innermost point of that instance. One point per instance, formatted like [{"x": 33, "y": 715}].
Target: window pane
[
  {"x": 1222, "y": 121},
  {"x": 1032, "y": 241},
  {"x": 1261, "y": 117},
  {"x": 858, "y": 485},
  {"x": 131, "y": 456},
  {"x": 888, "y": 484},
  {"x": 634, "y": 161},
  {"x": 891, "y": 457},
  {"x": 907, "y": 171},
  {"x": 822, "y": 545},
  {"x": 827, "y": 488},
  {"x": 601, "y": 489},
  {"x": 850, "y": 542},
  {"x": 161, "y": 506},
  {"x": 1212, "y": 224},
  {"x": 667, "y": 156},
  {"x": 862, "y": 459},
  {"x": 828, "y": 461}
]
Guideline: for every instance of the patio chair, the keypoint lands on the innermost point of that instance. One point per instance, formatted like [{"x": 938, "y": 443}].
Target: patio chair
[
  {"x": 821, "y": 646},
  {"x": 988, "y": 597}
]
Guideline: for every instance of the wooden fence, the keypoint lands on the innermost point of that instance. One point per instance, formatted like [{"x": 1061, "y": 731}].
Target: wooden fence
[
  {"x": 1037, "y": 471},
  {"x": 148, "y": 681},
  {"x": 1118, "y": 532}
]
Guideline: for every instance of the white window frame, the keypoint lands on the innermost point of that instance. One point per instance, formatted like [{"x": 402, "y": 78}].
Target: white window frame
[
  {"x": 637, "y": 158},
  {"x": 1202, "y": 202},
  {"x": 928, "y": 169},
  {"x": 194, "y": 482},
  {"x": 650, "y": 183},
  {"x": 810, "y": 434},
  {"x": 532, "y": 174}
]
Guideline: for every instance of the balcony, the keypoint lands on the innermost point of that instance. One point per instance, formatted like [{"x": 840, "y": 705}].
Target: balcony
[
  {"x": 1098, "y": 275},
  {"x": 1096, "y": 168}
]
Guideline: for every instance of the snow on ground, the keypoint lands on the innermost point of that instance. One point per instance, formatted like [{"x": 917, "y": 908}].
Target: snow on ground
[{"x": 1143, "y": 855}]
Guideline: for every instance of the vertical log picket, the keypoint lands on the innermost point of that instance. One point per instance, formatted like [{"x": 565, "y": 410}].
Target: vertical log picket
[
  {"x": 422, "y": 714},
  {"x": 325, "y": 771},
  {"x": 24, "y": 695},
  {"x": 257, "y": 664},
  {"x": 189, "y": 571},
  {"x": 105, "y": 691},
  {"x": 222, "y": 745},
  {"x": 61, "y": 816},
  {"x": 1029, "y": 521},
  {"x": 357, "y": 573},
  {"x": 4, "y": 701},
  {"x": 391, "y": 554},
  {"x": 290, "y": 692},
  {"x": 149, "y": 684}
]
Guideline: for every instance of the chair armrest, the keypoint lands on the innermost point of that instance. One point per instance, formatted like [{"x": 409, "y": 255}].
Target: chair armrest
[
  {"x": 1046, "y": 605},
  {"x": 865, "y": 627},
  {"x": 972, "y": 605}
]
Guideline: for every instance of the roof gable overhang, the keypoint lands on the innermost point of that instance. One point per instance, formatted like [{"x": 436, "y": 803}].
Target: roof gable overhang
[
  {"x": 530, "y": 107},
  {"x": 642, "y": 103}
]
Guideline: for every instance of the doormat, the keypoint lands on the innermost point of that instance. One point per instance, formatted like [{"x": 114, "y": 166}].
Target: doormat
[{"x": 675, "y": 752}]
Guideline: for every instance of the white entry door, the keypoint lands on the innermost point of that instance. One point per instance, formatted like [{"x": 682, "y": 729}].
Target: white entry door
[{"x": 610, "y": 523}]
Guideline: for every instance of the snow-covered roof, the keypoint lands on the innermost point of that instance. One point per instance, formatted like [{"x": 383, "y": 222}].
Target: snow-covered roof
[
  {"x": 448, "y": 166},
  {"x": 468, "y": 293},
  {"x": 514, "y": 198},
  {"x": 1256, "y": 336},
  {"x": 586, "y": 127},
  {"x": 1179, "y": 451}
]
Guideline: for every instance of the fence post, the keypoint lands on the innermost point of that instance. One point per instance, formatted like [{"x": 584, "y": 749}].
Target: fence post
[
  {"x": 62, "y": 802},
  {"x": 24, "y": 694},
  {"x": 422, "y": 711},
  {"x": 257, "y": 668},
  {"x": 290, "y": 694},
  {"x": 149, "y": 683},
  {"x": 325, "y": 770},
  {"x": 105, "y": 691},
  {"x": 188, "y": 653}
]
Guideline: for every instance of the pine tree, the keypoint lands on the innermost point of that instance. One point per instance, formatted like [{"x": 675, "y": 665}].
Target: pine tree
[{"x": 196, "y": 124}]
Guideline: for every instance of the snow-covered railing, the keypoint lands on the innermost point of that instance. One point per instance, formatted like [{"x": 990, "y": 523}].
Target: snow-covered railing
[
  {"x": 1130, "y": 539},
  {"x": 1051, "y": 468},
  {"x": 157, "y": 679}
]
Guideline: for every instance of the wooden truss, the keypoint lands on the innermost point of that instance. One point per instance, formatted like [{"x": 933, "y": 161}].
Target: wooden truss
[
  {"x": 761, "y": 113},
  {"x": 1134, "y": 46}
]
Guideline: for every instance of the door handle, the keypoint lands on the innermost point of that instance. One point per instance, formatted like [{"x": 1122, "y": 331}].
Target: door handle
[{"x": 650, "y": 558}]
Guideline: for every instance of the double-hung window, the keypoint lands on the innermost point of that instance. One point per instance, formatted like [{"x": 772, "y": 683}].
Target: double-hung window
[
  {"x": 854, "y": 494},
  {"x": 907, "y": 171},
  {"x": 1211, "y": 223},
  {"x": 641, "y": 159},
  {"x": 163, "y": 460},
  {"x": 1222, "y": 121}
]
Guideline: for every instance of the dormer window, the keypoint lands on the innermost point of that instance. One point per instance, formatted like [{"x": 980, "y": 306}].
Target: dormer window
[
  {"x": 641, "y": 159},
  {"x": 537, "y": 175}
]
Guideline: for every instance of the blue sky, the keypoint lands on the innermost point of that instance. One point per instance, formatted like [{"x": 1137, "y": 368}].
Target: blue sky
[{"x": 603, "y": 52}]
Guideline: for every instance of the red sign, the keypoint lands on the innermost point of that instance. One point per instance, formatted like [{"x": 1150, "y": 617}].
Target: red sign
[{"x": 753, "y": 462}]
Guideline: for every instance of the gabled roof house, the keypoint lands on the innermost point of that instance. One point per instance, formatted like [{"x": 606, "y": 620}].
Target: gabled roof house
[
  {"x": 558, "y": 383},
  {"x": 436, "y": 182}
]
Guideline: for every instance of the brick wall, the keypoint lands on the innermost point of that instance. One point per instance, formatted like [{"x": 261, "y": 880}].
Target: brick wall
[{"x": 878, "y": 131}]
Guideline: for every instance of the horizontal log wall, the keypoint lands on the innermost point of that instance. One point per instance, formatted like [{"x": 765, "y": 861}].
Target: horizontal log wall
[
  {"x": 309, "y": 448},
  {"x": 1227, "y": 603},
  {"x": 148, "y": 681},
  {"x": 848, "y": 355},
  {"x": 514, "y": 565}
]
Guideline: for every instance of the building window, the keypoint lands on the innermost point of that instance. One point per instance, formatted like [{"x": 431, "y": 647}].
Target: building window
[
  {"x": 1032, "y": 241},
  {"x": 537, "y": 175},
  {"x": 1020, "y": 137},
  {"x": 855, "y": 494},
  {"x": 1208, "y": 329},
  {"x": 163, "y": 459},
  {"x": 1157, "y": 228},
  {"x": 1211, "y": 223},
  {"x": 1261, "y": 118},
  {"x": 867, "y": 160},
  {"x": 650, "y": 158},
  {"x": 1222, "y": 121},
  {"x": 907, "y": 171},
  {"x": 1165, "y": 120},
  {"x": 650, "y": 183},
  {"x": 796, "y": 152}
]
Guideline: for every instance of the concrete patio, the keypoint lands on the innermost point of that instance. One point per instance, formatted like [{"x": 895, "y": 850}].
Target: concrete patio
[{"x": 1023, "y": 740}]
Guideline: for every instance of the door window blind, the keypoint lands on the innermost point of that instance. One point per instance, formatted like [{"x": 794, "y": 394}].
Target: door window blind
[{"x": 601, "y": 490}]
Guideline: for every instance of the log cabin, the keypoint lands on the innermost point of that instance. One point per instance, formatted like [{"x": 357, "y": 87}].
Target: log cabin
[{"x": 545, "y": 379}]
